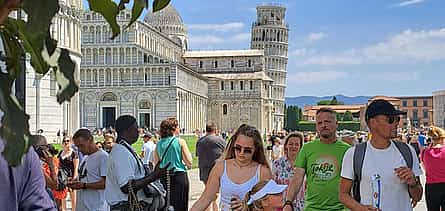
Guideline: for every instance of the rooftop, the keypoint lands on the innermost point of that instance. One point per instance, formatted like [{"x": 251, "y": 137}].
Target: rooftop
[{"x": 223, "y": 53}]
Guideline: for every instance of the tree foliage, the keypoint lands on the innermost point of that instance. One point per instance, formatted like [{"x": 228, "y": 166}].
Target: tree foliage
[
  {"x": 293, "y": 116},
  {"x": 333, "y": 101},
  {"x": 347, "y": 116},
  {"x": 31, "y": 37}
]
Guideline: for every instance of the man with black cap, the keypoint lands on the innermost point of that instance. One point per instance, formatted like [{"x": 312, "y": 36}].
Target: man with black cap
[
  {"x": 125, "y": 170},
  {"x": 383, "y": 174}
]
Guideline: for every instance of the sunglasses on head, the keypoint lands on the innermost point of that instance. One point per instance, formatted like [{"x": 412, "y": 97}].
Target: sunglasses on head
[
  {"x": 245, "y": 150},
  {"x": 392, "y": 119}
]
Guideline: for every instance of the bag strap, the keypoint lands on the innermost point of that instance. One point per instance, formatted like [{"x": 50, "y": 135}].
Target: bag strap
[
  {"x": 359, "y": 156},
  {"x": 138, "y": 160},
  {"x": 166, "y": 149},
  {"x": 406, "y": 153}
]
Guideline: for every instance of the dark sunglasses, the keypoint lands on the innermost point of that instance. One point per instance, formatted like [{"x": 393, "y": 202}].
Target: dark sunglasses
[
  {"x": 245, "y": 150},
  {"x": 392, "y": 119},
  {"x": 65, "y": 141}
]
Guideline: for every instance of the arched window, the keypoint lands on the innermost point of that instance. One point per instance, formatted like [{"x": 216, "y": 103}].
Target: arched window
[
  {"x": 109, "y": 96},
  {"x": 144, "y": 104},
  {"x": 224, "y": 109}
]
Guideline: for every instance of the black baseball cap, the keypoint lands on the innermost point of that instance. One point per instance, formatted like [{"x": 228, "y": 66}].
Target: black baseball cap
[{"x": 381, "y": 107}]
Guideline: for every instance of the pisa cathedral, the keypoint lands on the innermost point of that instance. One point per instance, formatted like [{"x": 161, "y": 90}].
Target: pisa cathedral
[{"x": 149, "y": 72}]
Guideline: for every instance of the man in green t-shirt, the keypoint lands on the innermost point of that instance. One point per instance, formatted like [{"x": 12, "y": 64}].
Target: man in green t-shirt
[{"x": 320, "y": 160}]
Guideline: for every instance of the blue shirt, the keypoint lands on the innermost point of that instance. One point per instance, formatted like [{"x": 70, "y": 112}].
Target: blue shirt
[{"x": 23, "y": 187}]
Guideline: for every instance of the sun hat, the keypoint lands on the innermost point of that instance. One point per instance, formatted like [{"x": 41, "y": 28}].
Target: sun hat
[{"x": 271, "y": 187}]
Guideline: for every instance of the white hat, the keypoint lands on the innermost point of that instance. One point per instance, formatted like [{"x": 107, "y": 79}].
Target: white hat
[{"x": 270, "y": 188}]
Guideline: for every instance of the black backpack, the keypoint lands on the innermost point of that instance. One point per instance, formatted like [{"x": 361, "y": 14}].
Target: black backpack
[{"x": 359, "y": 156}]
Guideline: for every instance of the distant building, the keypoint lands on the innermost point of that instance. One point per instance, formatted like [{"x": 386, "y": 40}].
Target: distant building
[
  {"x": 309, "y": 112},
  {"x": 439, "y": 108},
  {"x": 418, "y": 110},
  {"x": 148, "y": 72}
]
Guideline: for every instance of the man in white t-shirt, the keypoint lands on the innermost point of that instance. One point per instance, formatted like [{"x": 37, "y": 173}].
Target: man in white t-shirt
[
  {"x": 92, "y": 174},
  {"x": 147, "y": 148},
  {"x": 400, "y": 186},
  {"x": 124, "y": 166}
]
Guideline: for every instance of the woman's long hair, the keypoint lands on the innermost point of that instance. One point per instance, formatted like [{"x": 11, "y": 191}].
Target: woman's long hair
[
  {"x": 256, "y": 205},
  {"x": 253, "y": 133}
]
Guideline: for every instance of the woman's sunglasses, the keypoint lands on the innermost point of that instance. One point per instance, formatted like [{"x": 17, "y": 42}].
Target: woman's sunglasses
[
  {"x": 65, "y": 141},
  {"x": 245, "y": 150}
]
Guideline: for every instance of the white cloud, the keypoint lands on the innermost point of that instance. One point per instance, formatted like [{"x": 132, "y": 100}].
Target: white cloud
[
  {"x": 316, "y": 36},
  {"x": 225, "y": 27},
  {"x": 240, "y": 37},
  {"x": 396, "y": 76},
  {"x": 316, "y": 77},
  {"x": 407, "y": 3},
  {"x": 205, "y": 40},
  {"x": 299, "y": 52},
  {"x": 405, "y": 47}
]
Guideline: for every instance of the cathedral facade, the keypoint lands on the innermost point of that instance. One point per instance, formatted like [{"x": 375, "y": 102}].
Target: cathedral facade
[{"x": 148, "y": 72}]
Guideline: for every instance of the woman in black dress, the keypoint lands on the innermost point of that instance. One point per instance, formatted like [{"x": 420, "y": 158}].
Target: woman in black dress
[{"x": 69, "y": 162}]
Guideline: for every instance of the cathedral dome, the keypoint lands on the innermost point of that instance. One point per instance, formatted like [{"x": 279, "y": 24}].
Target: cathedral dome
[
  {"x": 169, "y": 22},
  {"x": 166, "y": 16}
]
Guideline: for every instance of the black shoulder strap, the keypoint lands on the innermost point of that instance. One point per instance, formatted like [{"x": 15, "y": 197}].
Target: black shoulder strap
[
  {"x": 359, "y": 156},
  {"x": 166, "y": 149},
  {"x": 406, "y": 153},
  {"x": 138, "y": 160}
]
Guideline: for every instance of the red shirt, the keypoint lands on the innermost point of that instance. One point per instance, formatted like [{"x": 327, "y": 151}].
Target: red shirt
[{"x": 434, "y": 161}]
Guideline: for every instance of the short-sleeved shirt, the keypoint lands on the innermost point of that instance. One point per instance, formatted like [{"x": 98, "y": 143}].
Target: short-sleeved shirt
[
  {"x": 434, "y": 161},
  {"x": 322, "y": 165},
  {"x": 148, "y": 148},
  {"x": 122, "y": 166},
  {"x": 91, "y": 170},
  {"x": 208, "y": 149},
  {"x": 394, "y": 192},
  {"x": 23, "y": 186}
]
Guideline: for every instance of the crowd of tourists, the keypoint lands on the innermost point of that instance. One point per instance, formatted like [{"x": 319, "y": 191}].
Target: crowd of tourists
[{"x": 247, "y": 171}]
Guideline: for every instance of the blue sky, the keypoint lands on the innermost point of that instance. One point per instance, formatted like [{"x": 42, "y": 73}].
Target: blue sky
[{"x": 350, "y": 47}]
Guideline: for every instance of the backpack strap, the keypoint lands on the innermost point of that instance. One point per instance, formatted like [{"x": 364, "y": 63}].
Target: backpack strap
[
  {"x": 406, "y": 153},
  {"x": 359, "y": 156}
]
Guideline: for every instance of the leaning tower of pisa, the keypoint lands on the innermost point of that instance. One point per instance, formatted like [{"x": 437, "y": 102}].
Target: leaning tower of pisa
[{"x": 270, "y": 32}]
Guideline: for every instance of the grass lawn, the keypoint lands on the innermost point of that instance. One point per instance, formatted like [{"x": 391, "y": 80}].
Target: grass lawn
[{"x": 191, "y": 143}]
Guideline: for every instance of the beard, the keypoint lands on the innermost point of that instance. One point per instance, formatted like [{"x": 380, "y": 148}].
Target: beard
[{"x": 326, "y": 135}]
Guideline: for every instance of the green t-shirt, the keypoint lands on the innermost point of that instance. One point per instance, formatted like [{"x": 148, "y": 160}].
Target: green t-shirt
[{"x": 322, "y": 165}]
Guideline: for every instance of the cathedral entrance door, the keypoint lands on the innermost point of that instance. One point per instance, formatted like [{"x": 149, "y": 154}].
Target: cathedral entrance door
[
  {"x": 108, "y": 116},
  {"x": 144, "y": 120}
]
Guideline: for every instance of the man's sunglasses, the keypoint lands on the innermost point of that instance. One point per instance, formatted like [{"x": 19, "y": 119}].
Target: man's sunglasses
[
  {"x": 245, "y": 150},
  {"x": 392, "y": 119}
]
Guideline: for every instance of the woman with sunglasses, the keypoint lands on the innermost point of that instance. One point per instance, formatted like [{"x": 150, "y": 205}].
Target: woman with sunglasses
[
  {"x": 244, "y": 165},
  {"x": 266, "y": 196},
  {"x": 69, "y": 162},
  {"x": 283, "y": 168}
]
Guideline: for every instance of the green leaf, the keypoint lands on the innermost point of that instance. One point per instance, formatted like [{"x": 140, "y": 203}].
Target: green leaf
[
  {"x": 34, "y": 44},
  {"x": 136, "y": 11},
  {"x": 109, "y": 10},
  {"x": 13, "y": 49},
  {"x": 40, "y": 14},
  {"x": 14, "y": 128},
  {"x": 65, "y": 77},
  {"x": 160, "y": 4}
]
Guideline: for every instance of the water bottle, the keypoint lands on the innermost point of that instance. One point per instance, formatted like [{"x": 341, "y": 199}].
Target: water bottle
[{"x": 376, "y": 187}]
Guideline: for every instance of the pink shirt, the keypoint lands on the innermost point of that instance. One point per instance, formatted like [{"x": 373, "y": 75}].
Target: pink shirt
[{"x": 434, "y": 161}]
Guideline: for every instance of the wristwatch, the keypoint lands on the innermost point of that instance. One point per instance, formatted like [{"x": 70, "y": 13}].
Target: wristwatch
[{"x": 415, "y": 184}]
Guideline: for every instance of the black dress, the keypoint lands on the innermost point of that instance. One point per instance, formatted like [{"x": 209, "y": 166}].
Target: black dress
[{"x": 67, "y": 163}]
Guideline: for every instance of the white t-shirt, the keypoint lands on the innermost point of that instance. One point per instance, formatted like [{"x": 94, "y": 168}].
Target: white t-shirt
[
  {"x": 394, "y": 195},
  {"x": 148, "y": 148},
  {"x": 92, "y": 169},
  {"x": 122, "y": 167},
  {"x": 276, "y": 151}
]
